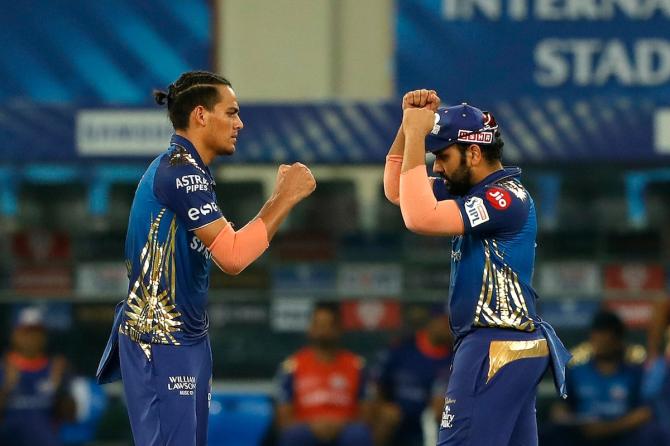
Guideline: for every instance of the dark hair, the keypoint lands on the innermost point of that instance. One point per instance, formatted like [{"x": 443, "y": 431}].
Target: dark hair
[
  {"x": 608, "y": 321},
  {"x": 491, "y": 152},
  {"x": 329, "y": 307},
  {"x": 193, "y": 88}
]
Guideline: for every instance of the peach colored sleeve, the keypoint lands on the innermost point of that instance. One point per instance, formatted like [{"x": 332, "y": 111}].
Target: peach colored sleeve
[
  {"x": 421, "y": 212},
  {"x": 392, "y": 178},
  {"x": 235, "y": 250}
]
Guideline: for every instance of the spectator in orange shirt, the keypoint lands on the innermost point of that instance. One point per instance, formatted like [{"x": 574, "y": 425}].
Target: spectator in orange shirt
[{"x": 322, "y": 390}]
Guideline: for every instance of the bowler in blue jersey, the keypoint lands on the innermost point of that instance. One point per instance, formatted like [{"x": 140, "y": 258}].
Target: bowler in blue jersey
[
  {"x": 159, "y": 345},
  {"x": 502, "y": 347}
]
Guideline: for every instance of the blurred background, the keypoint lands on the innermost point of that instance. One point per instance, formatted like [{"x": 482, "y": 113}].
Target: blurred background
[{"x": 581, "y": 90}]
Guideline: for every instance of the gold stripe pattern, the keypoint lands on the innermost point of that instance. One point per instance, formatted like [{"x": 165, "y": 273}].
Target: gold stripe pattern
[
  {"x": 502, "y": 353},
  {"x": 509, "y": 309},
  {"x": 151, "y": 300}
]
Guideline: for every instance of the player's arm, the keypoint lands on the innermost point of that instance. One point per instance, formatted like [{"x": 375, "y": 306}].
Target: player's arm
[
  {"x": 392, "y": 167},
  {"x": 657, "y": 328},
  {"x": 285, "y": 393},
  {"x": 232, "y": 250},
  {"x": 420, "y": 209}
]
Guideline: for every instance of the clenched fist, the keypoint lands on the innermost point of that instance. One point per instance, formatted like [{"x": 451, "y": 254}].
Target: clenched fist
[
  {"x": 420, "y": 99},
  {"x": 296, "y": 181},
  {"x": 418, "y": 121}
]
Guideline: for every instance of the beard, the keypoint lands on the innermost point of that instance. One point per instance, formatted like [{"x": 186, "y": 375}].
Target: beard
[{"x": 459, "y": 182}]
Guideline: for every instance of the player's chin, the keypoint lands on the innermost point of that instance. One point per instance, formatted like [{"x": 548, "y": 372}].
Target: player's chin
[{"x": 227, "y": 150}]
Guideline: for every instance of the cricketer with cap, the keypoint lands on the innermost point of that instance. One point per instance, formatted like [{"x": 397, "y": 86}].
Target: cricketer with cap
[{"x": 502, "y": 347}]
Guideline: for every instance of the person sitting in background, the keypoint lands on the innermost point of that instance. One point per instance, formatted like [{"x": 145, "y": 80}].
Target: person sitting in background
[
  {"x": 605, "y": 401},
  {"x": 406, "y": 383},
  {"x": 657, "y": 385},
  {"x": 322, "y": 390},
  {"x": 33, "y": 392}
]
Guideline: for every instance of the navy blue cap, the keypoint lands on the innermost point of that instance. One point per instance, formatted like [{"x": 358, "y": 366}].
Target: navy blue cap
[{"x": 461, "y": 124}]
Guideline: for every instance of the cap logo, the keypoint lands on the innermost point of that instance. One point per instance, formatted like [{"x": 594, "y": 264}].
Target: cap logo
[
  {"x": 436, "y": 127},
  {"x": 478, "y": 137}
]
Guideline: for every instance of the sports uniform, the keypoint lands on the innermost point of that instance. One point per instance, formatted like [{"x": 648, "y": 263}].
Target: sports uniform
[
  {"x": 407, "y": 375},
  {"x": 319, "y": 389},
  {"x": 502, "y": 347},
  {"x": 159, "y": 344}
]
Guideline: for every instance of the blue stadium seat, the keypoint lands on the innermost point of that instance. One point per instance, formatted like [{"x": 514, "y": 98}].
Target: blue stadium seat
[{"x": 239, "y": 419}]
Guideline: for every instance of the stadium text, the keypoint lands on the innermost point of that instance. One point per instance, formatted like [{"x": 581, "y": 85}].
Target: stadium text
[
  {"x": 550, "y": 10},
  {"x": 595, "y": 62}
]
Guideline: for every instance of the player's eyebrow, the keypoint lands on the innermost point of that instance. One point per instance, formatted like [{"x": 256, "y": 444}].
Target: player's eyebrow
[{"x": 233, "y": 109}]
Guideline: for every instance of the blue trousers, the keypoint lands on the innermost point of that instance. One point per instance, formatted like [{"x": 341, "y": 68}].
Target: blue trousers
[
  {"x": 353, "y": 434},
  {"x": 168, "y": 394},
  {"x": 490, "y": 398}
]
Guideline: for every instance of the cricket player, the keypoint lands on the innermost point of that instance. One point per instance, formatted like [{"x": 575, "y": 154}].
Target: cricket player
[
  {"x": 159, "y": 345},
  {"x": 502, "y": 347}
]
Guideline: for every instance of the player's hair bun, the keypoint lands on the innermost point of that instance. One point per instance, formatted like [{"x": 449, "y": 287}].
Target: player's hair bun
[{"x": 160, "y": 97}]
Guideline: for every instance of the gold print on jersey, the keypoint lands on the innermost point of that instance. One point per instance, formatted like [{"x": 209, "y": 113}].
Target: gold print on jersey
[
  {"x": 516, "y": 188},
  {"x": 151, "y": 300},
  {"x": 509, "y": 309}
]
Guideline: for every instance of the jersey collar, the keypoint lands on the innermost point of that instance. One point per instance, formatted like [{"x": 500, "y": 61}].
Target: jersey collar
[
  {"x": 180, "y": 141},
  {"x": 505, "y": 172}
]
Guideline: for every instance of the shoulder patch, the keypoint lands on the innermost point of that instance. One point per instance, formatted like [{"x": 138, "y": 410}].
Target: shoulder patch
[
  {"x": 635, "y": 354},
  {"x": 499, "y": 198},
  {"x": 289, "y": 365},
  {"x": 581, "y": 354},
  {"x": 180, "y": 157},
  {"x": 514, "y": 187},
  {"x": 476, "y": 211}
]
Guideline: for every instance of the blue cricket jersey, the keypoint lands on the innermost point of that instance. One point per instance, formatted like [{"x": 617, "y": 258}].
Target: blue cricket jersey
[
  {"x": 492, "y": 263},
  {"x": 168, "y": 266},
  {"x": 28, "y": 416},
  {"x": 407, "y": 376},
  {"x": 594, "y": 395}
]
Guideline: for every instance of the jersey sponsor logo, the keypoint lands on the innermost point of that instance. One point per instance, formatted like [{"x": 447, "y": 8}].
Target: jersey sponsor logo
[
  {"x": 447, "y": 416},
  {"x": 206, "y": 209},
  {"x": 436, "y": 126},
  {"x": 183, "y": 384},
  {"x": 191, "y": 183},
  {"x": 499, "y": 198},
  {"x": 479, "y": 137},
  {"x": 198, "y": 246},
  {"x": 476, "y": 211}
]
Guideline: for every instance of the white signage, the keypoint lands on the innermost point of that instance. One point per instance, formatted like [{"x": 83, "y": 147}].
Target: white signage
[{"x": 121, "y": 132}]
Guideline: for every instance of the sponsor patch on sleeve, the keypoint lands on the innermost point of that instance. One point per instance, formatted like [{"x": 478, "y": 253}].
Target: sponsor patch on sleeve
[
  {"x": 476, "y": 211},
  {"x": 499, "y": 198}
]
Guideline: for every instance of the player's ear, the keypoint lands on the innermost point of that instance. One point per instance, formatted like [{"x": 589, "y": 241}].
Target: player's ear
[
  {"x": 198, "y": 114},
  {"x": 475, "y": 154}
]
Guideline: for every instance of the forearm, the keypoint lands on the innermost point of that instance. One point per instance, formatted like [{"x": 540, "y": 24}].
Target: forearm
[
  {"x": 414, "y": 153},
  {"x": 392, "y": 178},
  {"x": 285, "y": 416},
  {"x": 633, "y": 420},
  {"x": 421, "y": 211},
  {"x": 628, "y": 422},
  {"x": 657, "y": 327},
  {"x": 392, "y": 168},
  {"x": 398, "y": 146},
  {"x": 274, "y": 212},
  {"x": 233, "y": 251}
]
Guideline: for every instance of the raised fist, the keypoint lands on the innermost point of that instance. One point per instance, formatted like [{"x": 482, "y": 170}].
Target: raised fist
[
  {"x": 295, "y": 181},
  {"x": 418, "y": 120},
  {"x": 420, "y": 99}
]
